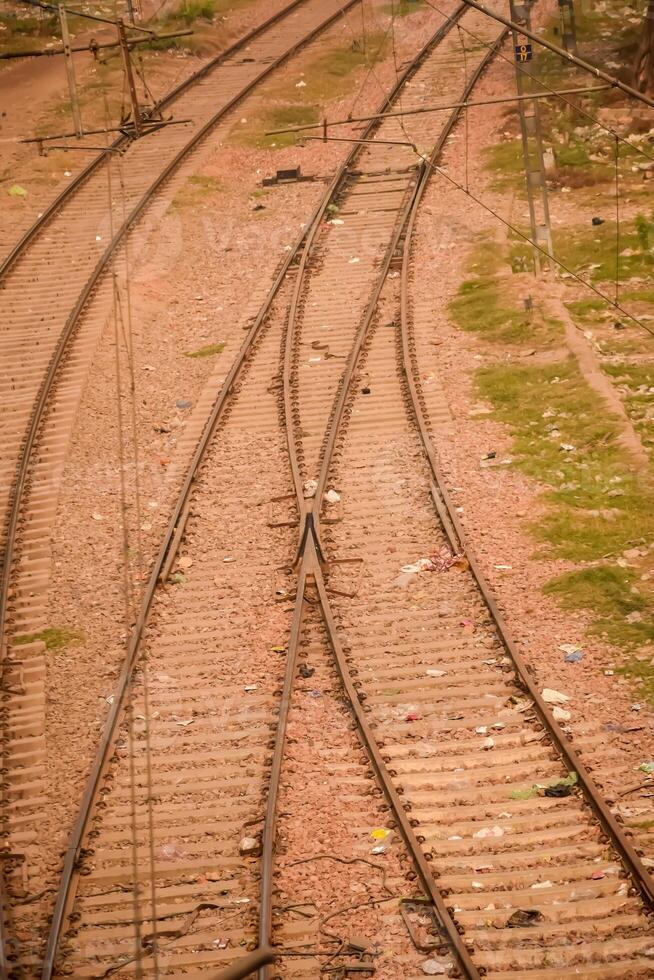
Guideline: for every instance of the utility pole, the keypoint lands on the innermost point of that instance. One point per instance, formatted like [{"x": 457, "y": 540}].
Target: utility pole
[
  {"x": 568, "y": 25},
  {"x": 532, "y": 140},
  {"x": 129, "y": 75},
  {"x": 70, "y": 72}
]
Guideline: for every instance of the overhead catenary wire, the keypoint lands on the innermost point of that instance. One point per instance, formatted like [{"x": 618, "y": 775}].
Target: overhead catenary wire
[
  {"x": 455, "y": 183},
  {"x": 609, "y": 79}
]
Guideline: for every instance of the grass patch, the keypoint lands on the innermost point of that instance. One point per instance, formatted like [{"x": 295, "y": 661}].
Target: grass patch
[
  {"x": 593, "y": 250},
  {"x": 585, "y": 308},
  {"x": 195, "y": 189},
  {"x": 483, "y": 306},
  {"x": 55, "y": 638},
  {"x": 636, "y": 384},
  {"x": 208, "y": 351},
  {"x": 599, "y": 506},
  {"x": 610, "y": 592},
  {"x": 642, "y": 672},
  {"x": 301, "y": 101}
]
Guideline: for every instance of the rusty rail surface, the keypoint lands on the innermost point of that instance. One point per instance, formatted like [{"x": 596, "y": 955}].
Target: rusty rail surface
[
  {"x": 121, "y": 141},
  {"x": 310, "y": 557},
  {"x": 171, "y": 542},
  {"x": 452, "y": 525},
  {"x": 29, "y": 442}
]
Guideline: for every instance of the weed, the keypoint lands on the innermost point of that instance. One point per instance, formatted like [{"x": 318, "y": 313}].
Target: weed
[
  {"x": 55, "y": 638},
  {"x": 208, "y": 351},
  {"x": 565, "y": 439},
  {"x": 482, "y": 305}
]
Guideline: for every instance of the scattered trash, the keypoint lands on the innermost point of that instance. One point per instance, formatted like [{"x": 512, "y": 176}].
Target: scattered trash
[
  {"x": 562, "y": 787},
  {"x": 183, "y": 403},
  {"x": 434, "y": 968},
  {"x": 337, "y": 221},
  {"x": 524, "y": 794},
  {"x": 183, "y": 722},
  {"x": 228, "y": 560},
  {"x": 566, "y": 447},
  {"x": 220, "y": 943},
  {"x": 278, "y": 649},
  {"x": 491, "y": 455},
  {"x": 524, "y": 917},
  {"x": 250, "y": 687},
  {"x": 636, "y": 707},
  {"x": 572, "y": 650},
  {"x": 598, "y": 875},
  {"x": 382, "y": 839},
  {"x": 413, "y": 716},
  {"x": 489, "y": 832},
  {"x": 619, "y": 326},
  {"x": 503, "y": 568},
  {"x": 315, "y": 694},
  {"x": 306, "y": 671},
  {"x": 17, "y": 191},
  {"x": 365, "y": 391},
  {"x": 488, "y": 743},
  {"x": 432, "y": 672},
  {"x": 309, "y": 488},
  {"x": 598, "y": 221},
  {"x": 169, "y": 852},
  {"x": 647, "y": 767},
  {"x": 542, "y": 884},
  {"x": 554, "y": 697},
  {"x": 353, "y": 261},
  {"x": 560, "y": 714},
  {"x": 332, "y": 497},
  {"x": 97, "y": 517},
  {"x": 300, "y": 84},
  {"x": 478, "y": 885},
  {"x": 248, "y": 846}
]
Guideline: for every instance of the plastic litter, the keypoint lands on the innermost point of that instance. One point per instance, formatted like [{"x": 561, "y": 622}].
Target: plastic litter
[
  {"x": 434, "y": 968},
  {"x": 646, "y": 767},
  {"x": 309, "y": 488},
  {"x": 382, "y": 839},
  {"x": 542, "y": 884},
  {"x": 248, "y": 846},
  {"x": 598, "y": 221},
  {"x": 332, "y": 497},
  {"x": 554, "y": 697},
  {"x": 524, "y": 917},
  {"x": 489, "y": 832},
  {"x": 169, "y": 852},
  {"x": 432, "y": 672},
  {"x": 560, "y": 714}
]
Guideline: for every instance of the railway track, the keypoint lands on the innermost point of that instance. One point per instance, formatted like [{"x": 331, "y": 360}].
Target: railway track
[
  {"x": 64, "y": 902},
  {"x": 185, "y": 789},
  {"x": 54, "y": 309}
]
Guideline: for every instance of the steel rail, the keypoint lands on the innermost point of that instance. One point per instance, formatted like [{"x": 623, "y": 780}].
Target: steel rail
[
  {"x": 121, "y": 141},
  {"x": 312, "y": 506},
  {"x": 165, "y": 557},
  {"x": 29, "y": 441},
  {"x": 309, "y": 557},
  {"x": 447, "y": 513}
]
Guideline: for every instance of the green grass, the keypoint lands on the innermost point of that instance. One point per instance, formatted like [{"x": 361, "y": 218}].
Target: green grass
[
  {"x": 196, "y": 188},
  {"x": 586, "y": 308},
  {"x": 55, "y": 638},
  {"x": 636, "y": 382},
  {"x": 598, "y": 505},
  {"x": 327, "y": 77},
  {"x": 208, "y": 351},
  {"x": 611, "y": 593},
  {"x": 484, "y": 305},
  {"x": 593, "y": 249},
  {"x": 401, "y": 8}
]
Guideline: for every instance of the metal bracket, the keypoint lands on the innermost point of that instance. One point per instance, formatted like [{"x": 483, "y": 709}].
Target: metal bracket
[{"x": 422, "y": 906}]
